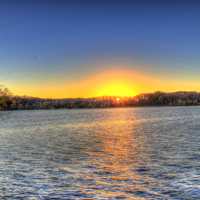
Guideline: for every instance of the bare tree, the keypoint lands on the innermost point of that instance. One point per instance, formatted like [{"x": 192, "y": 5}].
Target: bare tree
[{"x": 4, "y": 91}]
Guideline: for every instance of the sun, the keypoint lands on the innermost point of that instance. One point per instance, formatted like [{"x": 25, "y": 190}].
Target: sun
[
  {"x": 118, "y": 89},
  {"x": 112, "y": 82},
  {"x": 118, "y": 99}
]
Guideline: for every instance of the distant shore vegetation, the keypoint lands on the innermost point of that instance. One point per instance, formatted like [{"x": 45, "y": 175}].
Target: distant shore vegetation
[{"x": 8, "y": 101}]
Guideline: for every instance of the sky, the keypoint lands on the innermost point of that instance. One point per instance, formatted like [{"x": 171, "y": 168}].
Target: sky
[{"x": 60, "y": 49}]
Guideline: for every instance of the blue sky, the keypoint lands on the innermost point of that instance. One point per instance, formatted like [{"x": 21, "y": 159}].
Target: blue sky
[{"x": 41, "y": 41}]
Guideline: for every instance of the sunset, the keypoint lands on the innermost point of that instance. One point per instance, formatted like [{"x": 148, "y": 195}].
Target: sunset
[
  {"x": 62, "y": 50},
  {"x": 99, "y": 100},
  {"x": 114, "y": 81}
]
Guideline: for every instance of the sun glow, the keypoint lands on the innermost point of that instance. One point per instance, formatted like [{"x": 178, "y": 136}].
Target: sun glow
[
  {"x": 116, "y": 89},
  {"x": 115, "y": 81},
  {"x": 118, "y": 99}
]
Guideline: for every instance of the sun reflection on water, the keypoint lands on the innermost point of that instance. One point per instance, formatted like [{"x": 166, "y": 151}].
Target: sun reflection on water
[
  {"x": 112, "y": 162},
  {"x": 122, "y": 153}
]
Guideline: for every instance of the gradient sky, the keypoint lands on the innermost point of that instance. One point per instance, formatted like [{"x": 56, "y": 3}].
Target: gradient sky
[{"x": 64, "y": 49}]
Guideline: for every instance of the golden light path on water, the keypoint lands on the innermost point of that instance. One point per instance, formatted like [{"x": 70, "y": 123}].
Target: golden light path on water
[
  {"x": 114, "y": 158},
  {"x": 119, "y": 153}
]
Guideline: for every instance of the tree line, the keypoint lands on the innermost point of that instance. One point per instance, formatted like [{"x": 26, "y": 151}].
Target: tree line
[{"x": 11, "y": 102}]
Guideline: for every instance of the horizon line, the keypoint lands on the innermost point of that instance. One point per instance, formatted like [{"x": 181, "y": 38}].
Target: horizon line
[{"x": 108, "y": 96}]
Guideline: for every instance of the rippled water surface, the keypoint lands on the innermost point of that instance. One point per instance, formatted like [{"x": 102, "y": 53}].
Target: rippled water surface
[{"x": 125, "y": 153}]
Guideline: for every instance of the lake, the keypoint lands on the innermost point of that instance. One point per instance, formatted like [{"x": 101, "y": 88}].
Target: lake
[{"x": 121, "y": 153}]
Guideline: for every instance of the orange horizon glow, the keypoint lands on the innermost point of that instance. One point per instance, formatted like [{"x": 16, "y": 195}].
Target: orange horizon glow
[
  {"x": 113, "y": 82},
  {"x": 107, "y": 83}
]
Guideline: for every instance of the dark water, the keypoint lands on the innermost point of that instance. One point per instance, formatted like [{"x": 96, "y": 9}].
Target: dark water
[{"x": 129, "y": 153}]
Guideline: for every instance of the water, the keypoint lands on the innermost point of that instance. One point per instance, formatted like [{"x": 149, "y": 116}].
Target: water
[{"x": 125, "y": 153}]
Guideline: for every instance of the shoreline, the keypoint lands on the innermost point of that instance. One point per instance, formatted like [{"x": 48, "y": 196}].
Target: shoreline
[{"x": 100, "y": 108}]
